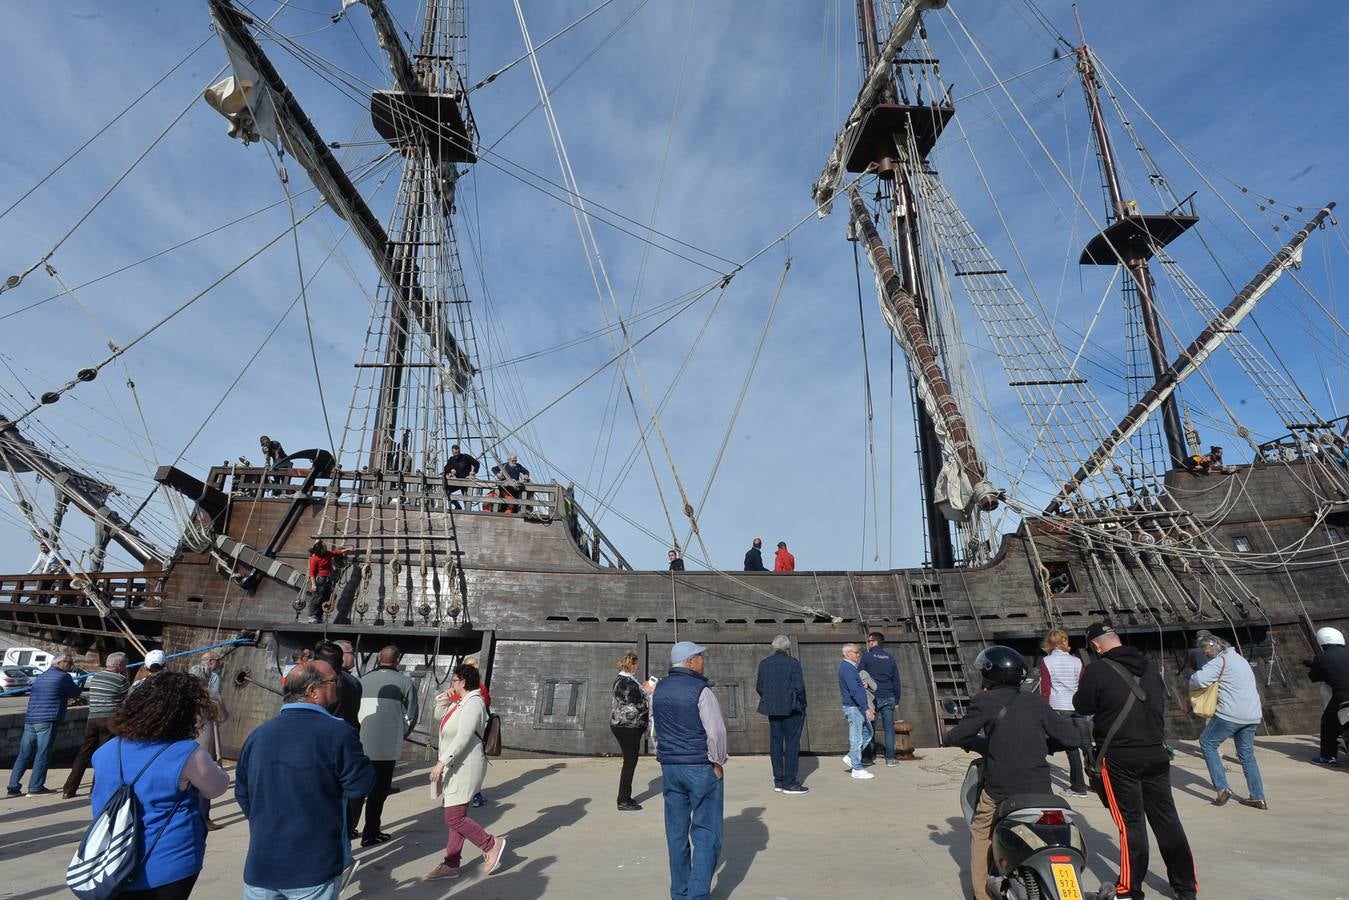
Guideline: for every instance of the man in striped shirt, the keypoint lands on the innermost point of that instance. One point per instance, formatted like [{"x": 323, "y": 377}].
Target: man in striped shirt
[{"x": 105, "y": 692}]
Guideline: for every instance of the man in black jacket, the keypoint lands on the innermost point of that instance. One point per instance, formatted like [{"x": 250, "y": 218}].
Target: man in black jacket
[
  {"x": 460, "y": 465},
  {"x": 1135, "y": 767},
  {"x": 1013, "y": 730},
  {"x": 1331, "y": 667},
  {"x": 348, "y": 709},
  {"x": 782, "y": 697},
  {"x": 754, "y": 557}
]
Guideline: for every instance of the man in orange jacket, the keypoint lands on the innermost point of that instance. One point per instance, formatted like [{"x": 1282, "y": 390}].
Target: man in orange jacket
[{"x": 784, "y": 561}]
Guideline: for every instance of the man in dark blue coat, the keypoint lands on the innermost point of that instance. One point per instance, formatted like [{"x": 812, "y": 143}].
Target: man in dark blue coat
[
  {"x": 881, "y": 666},
  {"x": 754, "y": 557},
  {"x": 782, "y": 697},
  {"x": 295, "y": 775},
  {"x": 50, "y": 693}
]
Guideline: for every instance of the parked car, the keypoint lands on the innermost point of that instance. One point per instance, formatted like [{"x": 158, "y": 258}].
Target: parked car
[{"x": 13, "y": 678}]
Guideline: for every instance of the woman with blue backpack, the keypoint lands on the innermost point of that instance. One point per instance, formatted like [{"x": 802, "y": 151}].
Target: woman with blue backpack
[{"x": 155, "y": 754}]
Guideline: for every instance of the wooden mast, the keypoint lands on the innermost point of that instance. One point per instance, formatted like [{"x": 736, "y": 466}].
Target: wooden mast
[{"x": 1133, "y": 255}]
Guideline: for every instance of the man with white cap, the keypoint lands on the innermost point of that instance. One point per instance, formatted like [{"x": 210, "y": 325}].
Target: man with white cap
[
  {"x": 153, "y": 665},
  {"x": 691, "y": 750}
]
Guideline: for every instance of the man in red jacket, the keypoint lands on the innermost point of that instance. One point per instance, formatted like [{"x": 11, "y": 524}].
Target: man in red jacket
[{"x": 784, "y": 561}]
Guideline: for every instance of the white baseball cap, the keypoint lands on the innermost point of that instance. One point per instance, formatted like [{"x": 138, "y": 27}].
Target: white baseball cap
[{"x": 154, "y": 658}]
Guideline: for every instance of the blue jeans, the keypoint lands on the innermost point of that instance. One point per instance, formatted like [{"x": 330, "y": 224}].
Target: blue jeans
[
  {"x": 784, "y": 747},
  {"x": 34, "y": 748},
  {"x": 885, "y": 720},
  {"x": 860, "y": 734},
  {"x": 326, "y": 891},
  {"x": 693, "y": 803},
  {"x": 1215, "y": 733}
]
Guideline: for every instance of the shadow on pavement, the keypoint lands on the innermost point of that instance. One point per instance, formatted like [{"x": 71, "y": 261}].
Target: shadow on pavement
[{"x": 745, "y": 835}]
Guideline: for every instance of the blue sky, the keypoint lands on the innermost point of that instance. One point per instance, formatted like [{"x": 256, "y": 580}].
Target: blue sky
[{"x": 1253, "y": 91}]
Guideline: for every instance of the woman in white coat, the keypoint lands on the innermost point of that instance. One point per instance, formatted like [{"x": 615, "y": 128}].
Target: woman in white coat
[{"x": 458, "y": 773}]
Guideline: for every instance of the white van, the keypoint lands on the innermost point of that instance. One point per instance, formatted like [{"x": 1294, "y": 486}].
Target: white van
[{"x": 28, "y": 656}]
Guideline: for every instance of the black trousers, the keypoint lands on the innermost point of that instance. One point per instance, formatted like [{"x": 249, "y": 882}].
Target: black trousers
[
  {"x": 319, "y": 596},
  {"x": 1076, "y": 775},
  {"x": 1330, "y": 727},
  {"x": 174, "y": 890},
  {"x": 97, "y": 732},
  {"x": 374, "y": 801},
  {"x": 630, "y": 739},
  {"x": 1136, "y": 786}
]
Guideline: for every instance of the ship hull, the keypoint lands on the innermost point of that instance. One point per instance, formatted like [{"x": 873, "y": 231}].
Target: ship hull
[{"x": 550, "y": 624}]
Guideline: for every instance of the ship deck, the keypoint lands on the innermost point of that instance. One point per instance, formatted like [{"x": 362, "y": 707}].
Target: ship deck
[{"x": 898, "y": 835}]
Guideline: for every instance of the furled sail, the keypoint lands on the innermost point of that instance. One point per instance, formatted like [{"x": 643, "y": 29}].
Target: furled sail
[
  {"x": 960, "y": 486},
  {"x": 303, "y": 142}
]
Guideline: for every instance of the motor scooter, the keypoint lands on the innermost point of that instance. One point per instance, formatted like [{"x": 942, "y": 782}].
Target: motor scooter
[{"x": 1038, "y": 850}]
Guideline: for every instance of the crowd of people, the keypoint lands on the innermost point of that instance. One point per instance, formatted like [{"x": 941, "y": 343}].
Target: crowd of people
[{"x": 159, "y": 735}]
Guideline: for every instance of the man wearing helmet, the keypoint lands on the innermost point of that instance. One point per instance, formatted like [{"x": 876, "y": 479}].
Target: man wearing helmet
[
  {"x": 1331, "y": 667},
  {"x": 1014, "y": 732}
]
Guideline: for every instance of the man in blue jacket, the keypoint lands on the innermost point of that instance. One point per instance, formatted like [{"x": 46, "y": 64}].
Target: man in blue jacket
[
  {"x": 782, "y": 697},
  {"x": 47, "y": 701},
  {"x": 294, "y": 778},
  {"x": 856, "y": 709},
  {"x": 881, "y": 666}
]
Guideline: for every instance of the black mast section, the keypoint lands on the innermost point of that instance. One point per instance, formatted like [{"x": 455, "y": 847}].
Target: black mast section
[
  {"x": 1133, "y": 254},
  {"x": 940, "y": 548}
]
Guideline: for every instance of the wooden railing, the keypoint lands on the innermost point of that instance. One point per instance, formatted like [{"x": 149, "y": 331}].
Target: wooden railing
[
  {"x": 120, "y": 589},
  {"x": 547, "y": 501}
]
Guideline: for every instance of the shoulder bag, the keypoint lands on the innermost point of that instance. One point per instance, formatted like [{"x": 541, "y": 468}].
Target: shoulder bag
[
  {"x": 1136, "y": 693},
  {"x": 1204, "y": 701}
]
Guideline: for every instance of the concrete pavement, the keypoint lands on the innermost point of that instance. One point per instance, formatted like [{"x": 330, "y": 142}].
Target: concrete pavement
[{"x": 898, "y": 835}]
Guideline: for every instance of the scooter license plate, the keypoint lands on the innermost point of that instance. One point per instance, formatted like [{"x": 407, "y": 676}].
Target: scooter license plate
[{"x": 1065, "y": 877}]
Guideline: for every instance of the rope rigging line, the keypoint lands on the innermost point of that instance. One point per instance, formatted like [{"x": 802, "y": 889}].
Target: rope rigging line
[
  {"x": 744, "y": 392},
  {"x": 99, "y": 133},
  {"x": 869, "y": 425},
  {"x": 284, "y": 180},
  {"x": 53, "y": 396},
  {"x": 599, "y": 273}
]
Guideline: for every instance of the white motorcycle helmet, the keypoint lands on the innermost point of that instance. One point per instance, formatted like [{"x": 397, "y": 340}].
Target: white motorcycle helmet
[{"x": 1329, "y": 637}]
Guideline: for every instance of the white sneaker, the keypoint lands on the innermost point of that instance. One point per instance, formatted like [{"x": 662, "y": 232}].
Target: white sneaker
[
  {"x": 847, "y": 760},
  {"x": 862, "y": 773}
]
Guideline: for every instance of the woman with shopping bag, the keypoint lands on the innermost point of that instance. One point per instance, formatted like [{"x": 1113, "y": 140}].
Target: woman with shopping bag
[{"x": 1225, "y": 688}]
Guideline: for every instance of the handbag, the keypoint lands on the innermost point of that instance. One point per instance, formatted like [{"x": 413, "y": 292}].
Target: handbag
[
  {"x": 1093, "y": 765},
  {"x": 1204, "y": 701}
]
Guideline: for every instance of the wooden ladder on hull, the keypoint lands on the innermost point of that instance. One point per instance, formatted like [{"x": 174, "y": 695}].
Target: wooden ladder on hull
[{"x": 941, "y": 650}]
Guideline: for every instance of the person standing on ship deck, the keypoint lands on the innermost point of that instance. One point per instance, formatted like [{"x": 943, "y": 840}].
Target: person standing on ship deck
[
  {"x": 754, "y": 557},
  {"x": 512, "y": 476},
  {"x": 676, "y": 561},
  {"x": 783, "y": 561},
  {"x": 460, "y": 465},
  {"x": 321, "y": 577}
]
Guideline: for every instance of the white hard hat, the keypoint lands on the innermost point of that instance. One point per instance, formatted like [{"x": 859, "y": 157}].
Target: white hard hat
[{"x": 1330, "y": 637}]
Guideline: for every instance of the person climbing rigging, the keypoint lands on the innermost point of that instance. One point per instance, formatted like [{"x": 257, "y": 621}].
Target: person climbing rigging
[{"x": 321, "y": 577}]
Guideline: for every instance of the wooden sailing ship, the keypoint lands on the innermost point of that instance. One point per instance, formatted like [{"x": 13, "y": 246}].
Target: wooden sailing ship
[{"x": 1134, "y": 531}]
